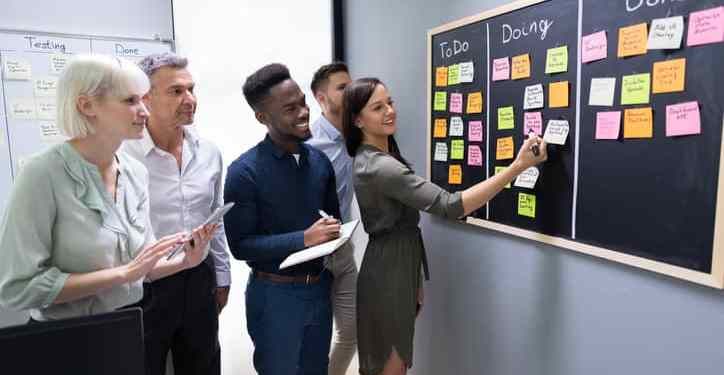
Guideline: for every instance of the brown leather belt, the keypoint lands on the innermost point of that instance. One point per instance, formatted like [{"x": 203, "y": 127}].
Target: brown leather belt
[{"x": 283, "y": 279}]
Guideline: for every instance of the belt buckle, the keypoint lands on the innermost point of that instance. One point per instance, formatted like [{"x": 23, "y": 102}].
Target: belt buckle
[{"x": 307, "y": 281}]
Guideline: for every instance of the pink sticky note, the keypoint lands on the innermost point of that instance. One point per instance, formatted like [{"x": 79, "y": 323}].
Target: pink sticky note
[
  {"x": 706, "y": 26},
  {"x": 608, "y": 125},
  {"x": 533, "y": 121},
  {"x": 683, "y": 119},
  {"x": 595, "y": 47},
  {"x": 475, "y": 131},
  {"x": 456, "y": 103},
  {"x": 501, "y": 69},
  {"x": 475, "y": 156}
]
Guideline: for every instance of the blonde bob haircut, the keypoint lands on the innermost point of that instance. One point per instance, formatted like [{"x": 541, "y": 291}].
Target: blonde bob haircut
[{"x": 98, "y": 76}]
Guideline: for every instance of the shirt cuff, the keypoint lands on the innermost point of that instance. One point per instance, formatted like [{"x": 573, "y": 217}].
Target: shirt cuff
[{"x": 223, "y": 279}]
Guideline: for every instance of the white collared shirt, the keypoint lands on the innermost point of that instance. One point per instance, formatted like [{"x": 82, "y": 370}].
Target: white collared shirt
[{"x": 182, "y": 200}]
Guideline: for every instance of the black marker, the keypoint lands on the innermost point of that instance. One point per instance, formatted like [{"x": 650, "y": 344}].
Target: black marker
[{"x": 534, "y": 148}]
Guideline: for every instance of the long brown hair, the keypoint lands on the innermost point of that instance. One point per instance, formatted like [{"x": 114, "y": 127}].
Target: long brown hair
[{"x": 356, "y": 96}]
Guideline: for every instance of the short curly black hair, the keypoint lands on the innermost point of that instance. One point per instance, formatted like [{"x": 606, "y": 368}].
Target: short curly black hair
[
  {"x": 321, "y": 76},
  {"x": 257, "y": 85}
]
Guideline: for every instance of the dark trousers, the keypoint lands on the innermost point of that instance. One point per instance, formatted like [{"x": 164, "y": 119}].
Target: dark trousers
[
  {"x": 179, "y": 314},
  {"x": 290, "y": 325}
]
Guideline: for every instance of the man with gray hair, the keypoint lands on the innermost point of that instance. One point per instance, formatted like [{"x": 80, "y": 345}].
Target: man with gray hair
[{"x": 181, "y": 311}]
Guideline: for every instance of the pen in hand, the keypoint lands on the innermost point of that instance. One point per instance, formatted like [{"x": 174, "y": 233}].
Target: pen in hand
[
  {"x": 324, "y": 215},
  {"x": 535, "y": 149}
]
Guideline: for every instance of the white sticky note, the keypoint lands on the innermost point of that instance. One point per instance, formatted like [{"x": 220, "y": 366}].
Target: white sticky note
[
  {"x": 534, "y": 97},
  {"x": 602, "y": 92},
  {"x": 557, "y": 132},
  {"x": 666, "y": 33},
  {"x": 45, "y": 87},
  {"x": 58, "y": 63},
  {"x": 456, "y": 127},
  {"x": 440, "y": 151},
  {"x": 45, "y": 109},
  {"x": 16, "y": 69},
  {"x": 528, "y": 178},
  {"x": 50, "y": 134},
  {"x": 467, "y": 72},
  {"x": 23, "y": 109}
]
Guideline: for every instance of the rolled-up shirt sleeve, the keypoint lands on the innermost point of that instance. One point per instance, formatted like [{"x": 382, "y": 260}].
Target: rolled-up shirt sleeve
[{"x": 218, "y": 247}]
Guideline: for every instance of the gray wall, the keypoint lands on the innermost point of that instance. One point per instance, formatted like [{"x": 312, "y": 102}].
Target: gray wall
[{"x": 502, "y": 305}]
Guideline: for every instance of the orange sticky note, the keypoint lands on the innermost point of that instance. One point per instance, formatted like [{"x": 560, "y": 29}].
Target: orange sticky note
[
  {"x": 521, "y": 67},
  {"x": 504, "y": 149},
  {"x": 455, "y": 175},
  {"x": 669, "y": 76},
  {"x": 633, "y": 40},
  {"x": 475, "y": 102},
  {"x": 440, "y": 128},
  {"x": 638, "y": 123},
  {"x": 558, "y": 94},
  {"x": 441, "y": 76}
]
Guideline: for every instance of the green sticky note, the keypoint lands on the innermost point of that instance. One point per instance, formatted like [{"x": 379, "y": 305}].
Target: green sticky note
[
  {"x": 506, "y": 118},
  {"x": 526, "y": 205},
  {"x": 498, "y": 170},
  {"x": 557, "y": 60},
  {"x": 440, "y": 101},
  {"x": 458, "y": 149},
  {"x": 453, "y": 74},
  {"x": 635, "y": 89}
]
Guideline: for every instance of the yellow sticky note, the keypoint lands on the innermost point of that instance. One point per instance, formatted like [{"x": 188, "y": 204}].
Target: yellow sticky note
[
  {"x": 504, "y": 149},
  {"x": 558, "y": 94},
  {"x": 498, "y": 170},
  {"x": 557, "y": 60},
  {"x": 453, "y": 74},
  {"x": 521, "y": 67},
  {"x": 440, "y": 103},
  {"x": 441, "y": 76},
  {"x": 455, "y": 175},
  {"x": 526, "y": 205},
  {"x": 506, "y": 118},
  {"x": 638, "y": 123},
  {"x": 633, "y": 40},
  {"x": 458, "y": 149},
  {"x": 440, "y": 128},
  {"x": 669, "y": 76},
  {"x": 475, "y": 102},
  {"x": 635, "y": 89}
]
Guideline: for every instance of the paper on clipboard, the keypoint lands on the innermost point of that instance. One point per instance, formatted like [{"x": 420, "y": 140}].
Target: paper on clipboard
[{"x": 321, "y": 250}]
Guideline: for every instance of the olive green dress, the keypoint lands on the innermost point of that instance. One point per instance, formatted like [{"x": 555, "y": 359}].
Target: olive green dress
[{"x": 390, "y": 196}]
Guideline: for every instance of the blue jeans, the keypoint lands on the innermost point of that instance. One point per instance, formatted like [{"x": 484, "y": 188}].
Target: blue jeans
[{"x": 290, "y": 325}]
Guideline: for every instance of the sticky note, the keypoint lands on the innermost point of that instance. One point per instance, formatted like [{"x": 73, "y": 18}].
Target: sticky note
[
  {"x": 533, "y": 122},
  {"x": 15, "y": 68},
  {"x": 534, "y": 97},
  {"x": 50, "y": 134},
  {"x": 475, "y": 102},
  {"x": 22, "y": 109},
  {"x": 45, "y": 87},
  {"x": 594, "y": 47},
  {"x": 526, "y": 205},
  {"x": 528, "y": 178},
  {"x": 504, "y": 149},
  {"x": 669, "y": 76},
  {"x": 453, "y": 74},
  {"x": 475, "y": 156},
  {"x": 45, "y": 108},
  {"x": 467, "y": 72},
  {"x": 638, "y": 123},
  {"x": 521, "y": 67},
  {"x": 635, "y": 89},
  {"x": 666, "y": 33},
  {"x": 440, "y": 151},
  {"x": 602, "y": 92},
  {"x": 683, "y": 119},
  {"x": 501, "y": 69},
  {"x": 506, "y": 118},
  {"x": 58, "y": 63},
  {"x": 475, "y": 131},
  {"x": 557, "y": 60},
  {"x": 440, "y": 103},
  {"x": 632, "y": 40},
  {"x": 706, "y": 26},
  {"x": 441, "y": 76},
  {"x": 455, "y": 175},
  {"x": 456, "y": 127},
  {"x": 557, "y": 132},
  {"x": 558, "y": 94},
  {"x": 500, "y": 169},
  {"x": 456, "y": 103},
  {"x": 440, "y": 130},
  {"x": 608, "y": 125},
  {"x": 457, "y": 151}
]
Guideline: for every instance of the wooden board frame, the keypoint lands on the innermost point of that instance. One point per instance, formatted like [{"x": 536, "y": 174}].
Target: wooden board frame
[{"x": 715, "y": 279}]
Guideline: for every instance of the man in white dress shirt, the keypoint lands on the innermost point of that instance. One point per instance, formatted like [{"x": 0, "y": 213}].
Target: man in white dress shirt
[{"x": 181, "y": 311}]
